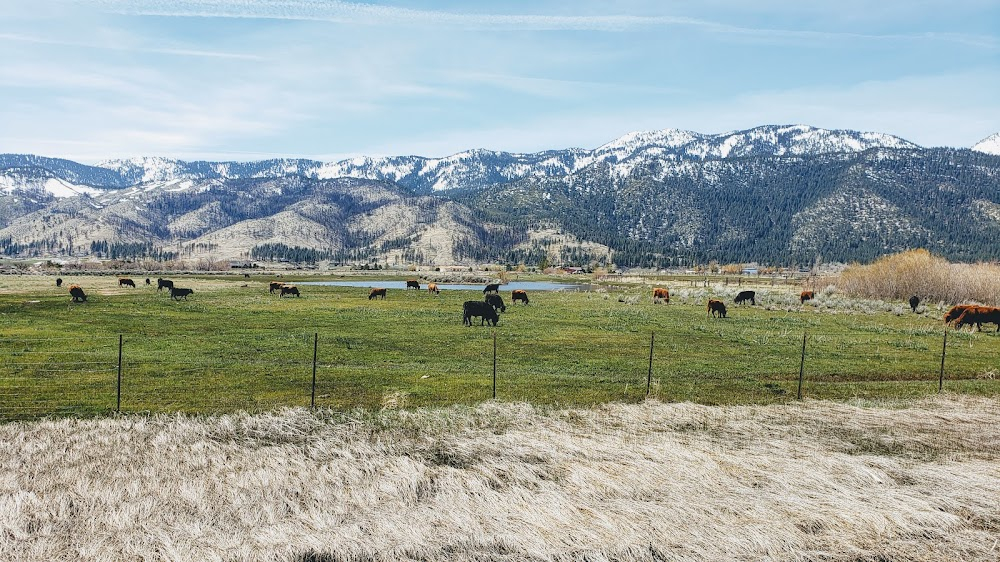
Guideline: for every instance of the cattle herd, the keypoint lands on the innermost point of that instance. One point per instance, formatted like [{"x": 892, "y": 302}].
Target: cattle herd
[{"x": 492, "y": 304}]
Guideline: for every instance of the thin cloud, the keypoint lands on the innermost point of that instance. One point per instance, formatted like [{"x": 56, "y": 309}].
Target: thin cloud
[
  {"x": 370, "y": 14},
  {"x": 110, "y": 47}
]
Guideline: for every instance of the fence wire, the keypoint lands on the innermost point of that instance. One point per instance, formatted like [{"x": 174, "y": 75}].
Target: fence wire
[{"x": 237, "y": 371}]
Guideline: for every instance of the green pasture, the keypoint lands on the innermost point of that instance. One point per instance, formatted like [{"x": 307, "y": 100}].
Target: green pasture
[{"x": 230, "y": 346}]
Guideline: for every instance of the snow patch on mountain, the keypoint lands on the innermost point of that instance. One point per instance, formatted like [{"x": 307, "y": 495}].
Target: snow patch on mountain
[
  {"x": 57, "y": 187},
  {"x": 989, "y": 145}
]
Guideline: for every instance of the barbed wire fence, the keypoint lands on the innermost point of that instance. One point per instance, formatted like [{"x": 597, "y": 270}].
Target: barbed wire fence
[{"x": 42, "y": 377}]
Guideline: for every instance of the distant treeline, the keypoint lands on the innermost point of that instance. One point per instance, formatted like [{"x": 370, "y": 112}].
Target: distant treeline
[{"x": 278, "y": 252}]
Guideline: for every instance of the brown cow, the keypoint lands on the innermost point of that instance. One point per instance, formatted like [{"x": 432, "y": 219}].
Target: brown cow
[
  {"x": 274, "y": 286},
  {"x": 518, "y": 295},
  {"x": 955, "y": 311},
  {"x": 805, "y": 296},
  {"x": 661, "y": 294},
  {"x": 979, "y": 315},
  {"x": 433, "y": 288},
  {"x": 716, "y": 306},
  {"x": 380, "y": 293}
]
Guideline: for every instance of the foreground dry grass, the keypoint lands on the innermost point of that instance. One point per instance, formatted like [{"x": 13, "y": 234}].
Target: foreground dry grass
[{"x": 816, "y": 481}]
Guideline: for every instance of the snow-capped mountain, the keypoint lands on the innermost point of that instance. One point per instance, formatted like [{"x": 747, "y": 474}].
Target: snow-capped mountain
[
  {"x": 479, "y": 168},
  {"x": 989, "y": 145},
  {"x": 776, "y": 194}
]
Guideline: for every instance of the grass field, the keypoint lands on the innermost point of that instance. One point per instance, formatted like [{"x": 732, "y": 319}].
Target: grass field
[{"x": 232, "y": 345}]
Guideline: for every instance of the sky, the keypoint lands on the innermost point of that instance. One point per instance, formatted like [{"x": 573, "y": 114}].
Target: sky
[{"x": 91, "y": 80}]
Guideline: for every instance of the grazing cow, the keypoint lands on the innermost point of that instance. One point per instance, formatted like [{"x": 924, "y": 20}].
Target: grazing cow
[
  {"x": 492, "y": 288},
  {"x": 413, "y": 284},
  {"x": 496, "y": 302},
  {"x": 433, "y": 288},
  {"x": 147, "y": 281},
  {"x": 979, "y": 315},
  {"x": 274, "y": 286},
  {"x": 518, "y": 295},
  {"x": 481, "y": 309},
  {"x": 661, "y": 294},
  {"x": 123, "y": 281},
  {"x": 955, "y": 311},
  {"x": 380, "y": 293},
  {"x": 77, "y": 292},
  {"x": 914, "y": 302},
  {"x": 743, "y": 296},
  {"x": 177, "y": 293},
  {"x": 289, "y": 290},
  {"x": 161, "y": 283},
  {"x": 58, "y": 281},
  {"x": 716, "y": 307},
  {"x": 806, "y": 295}
]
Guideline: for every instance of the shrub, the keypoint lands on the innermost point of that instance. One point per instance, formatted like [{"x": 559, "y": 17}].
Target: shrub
[{"x": 918, "y": 272}]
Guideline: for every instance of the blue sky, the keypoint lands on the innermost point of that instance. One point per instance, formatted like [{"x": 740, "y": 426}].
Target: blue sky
[{"x": 246, "y": 80}]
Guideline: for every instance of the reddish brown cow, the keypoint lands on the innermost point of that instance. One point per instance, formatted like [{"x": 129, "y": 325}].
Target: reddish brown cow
[
  {"x": 519, "y": 295},
  {"x": 979, "y": 315},
  {"x": 275, "y": 286},
  {"x": 433, "y": 288},
  {"x": 955, "y": 311},
  {"x": 805, "y": 296},
  {"x": 661, "y": 294},
  {"x": 376, "y": 293}
]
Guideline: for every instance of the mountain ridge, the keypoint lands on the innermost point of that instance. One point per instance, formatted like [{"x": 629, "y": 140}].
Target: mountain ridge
[{"x": 774, "y": 194}]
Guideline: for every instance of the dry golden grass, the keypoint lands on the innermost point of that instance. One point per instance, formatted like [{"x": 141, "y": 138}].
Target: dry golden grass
[
  {"x": 918, "y": 272},
  {"x": 654, "y": 481}
]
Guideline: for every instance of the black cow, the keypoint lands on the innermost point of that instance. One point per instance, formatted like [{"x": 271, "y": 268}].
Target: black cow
[
  {"x": 716, "y": 307},
  {"x": 914, "y": 302},
  {"x": 124, "y": 281},
  {"x": 481, "y": 309},
  {"x": 58, "y": 281},
  {"x": 492, "y": 288},
  {"x": 77, "y": 292},
  {"x": 289, "y": 290},
  {"x": 274, "y": 286},
  {"x": 413, "y": 284},
  {"x": 744, "y": 296},
  {"x": 376, "y": 293},
  {"x": 496, "y": 302},
  {"x": 147, "y": 281},
  {"x": 177, "y": 293},
  {"x": 161, "y": 283}
]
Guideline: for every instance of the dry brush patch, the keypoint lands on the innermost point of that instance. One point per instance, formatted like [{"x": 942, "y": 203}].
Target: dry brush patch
[
  {"x": 918, "y": 272},
  {"x": 654, "y": 481}
]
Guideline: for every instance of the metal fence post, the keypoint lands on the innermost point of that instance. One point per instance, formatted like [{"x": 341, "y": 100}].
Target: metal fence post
[
  {"x": 944, "y": 349},
  {"x": 312, "y": 399},
  {"x": 118, "y": 403},
  {"x": 649, "y": 374},
  {"x": 494, "y": 365},
  {"x": 802, "y": 366}
]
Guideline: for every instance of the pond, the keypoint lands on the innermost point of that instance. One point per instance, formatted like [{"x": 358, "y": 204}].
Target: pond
[{"x": 523, "y": 285}]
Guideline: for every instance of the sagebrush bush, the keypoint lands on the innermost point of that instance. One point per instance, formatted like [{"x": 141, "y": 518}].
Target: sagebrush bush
[{"x": 920, "y": 273}]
